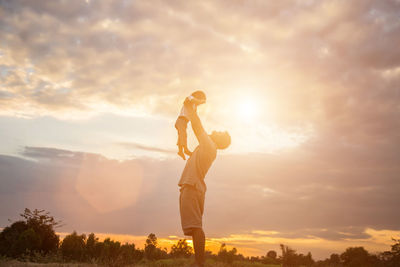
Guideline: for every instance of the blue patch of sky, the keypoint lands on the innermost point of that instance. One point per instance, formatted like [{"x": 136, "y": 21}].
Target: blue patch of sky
[
  {"x": 40, "y": 88},
  {"x": 4, "y": 70},
  {"x": 28, "y": 72},
  {"x": 101, "y": 134},
  {"x": 5, "y": 94},
  {"x": 63, "y": 90}
]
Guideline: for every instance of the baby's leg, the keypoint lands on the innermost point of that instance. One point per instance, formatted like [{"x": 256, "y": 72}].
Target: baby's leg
[
  {"x": 187, "y": 151},
  {"x": 180, "y": 152},
  {"x": 181, "y": 125}
]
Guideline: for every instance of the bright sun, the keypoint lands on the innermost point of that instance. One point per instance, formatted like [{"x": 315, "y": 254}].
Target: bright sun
[{"x": 247, "y": 109}]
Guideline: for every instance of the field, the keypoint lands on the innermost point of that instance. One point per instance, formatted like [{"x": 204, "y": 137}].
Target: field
[{"x": 159, "y": 263}]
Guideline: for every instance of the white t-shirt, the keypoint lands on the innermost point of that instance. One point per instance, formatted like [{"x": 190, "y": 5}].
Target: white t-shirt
[{"x": 184, "y": 111}]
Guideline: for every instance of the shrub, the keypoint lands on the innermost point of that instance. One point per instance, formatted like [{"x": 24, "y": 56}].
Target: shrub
[
  {"x": 34, "y": 234},
  {"x": 73, "y": 247}
]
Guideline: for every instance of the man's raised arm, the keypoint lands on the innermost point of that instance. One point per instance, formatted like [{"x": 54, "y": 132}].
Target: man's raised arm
[{"x": 197, "y": 127}]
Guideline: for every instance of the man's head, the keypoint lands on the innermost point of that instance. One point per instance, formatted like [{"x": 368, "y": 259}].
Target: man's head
[{"x": 221, "y": 139}]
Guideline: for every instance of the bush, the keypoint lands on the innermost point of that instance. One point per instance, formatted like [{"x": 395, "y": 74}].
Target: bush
[
  {"x": 32, "y": 235},
  {"x": 73, "y": 247},
  {"x": 181, "y": 249},
  {"x": 227, "y": 256}
]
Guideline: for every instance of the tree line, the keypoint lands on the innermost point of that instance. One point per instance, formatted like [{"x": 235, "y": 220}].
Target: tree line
[{"x": 33, "y": 238}]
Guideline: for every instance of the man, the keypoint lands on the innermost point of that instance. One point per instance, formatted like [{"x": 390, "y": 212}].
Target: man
[{"x": 192, "y": 185}]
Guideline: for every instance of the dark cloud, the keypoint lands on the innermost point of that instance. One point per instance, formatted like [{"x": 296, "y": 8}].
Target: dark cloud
[
  {"x": 133, "y": 145},
  {"x": 307, "y": 198}
]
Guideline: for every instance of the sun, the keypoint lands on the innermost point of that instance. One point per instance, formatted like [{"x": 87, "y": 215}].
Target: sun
[{"x": 247, "y": 109}]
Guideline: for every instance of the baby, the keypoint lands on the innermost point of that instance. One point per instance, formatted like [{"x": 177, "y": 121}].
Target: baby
[{"x": 196, "y": 98}]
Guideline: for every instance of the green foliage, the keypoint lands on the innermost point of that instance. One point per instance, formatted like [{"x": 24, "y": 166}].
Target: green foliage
[
  {"x": 358, "y": 256},
  {"x": 28, "y": 240},
  {"x": 164, "y": 263},
  {"x": 151, "y": 251},
  {"x": 270, "y": 258},
  {"x": 34, "y": 240},
  {"x": 291, "y": 258},
  {"x": 227, "y": 256},
  {"x": 92, "y": 249},
  {"x": 34, "y": 234},
  {"x": 128, "y": 254},
  {"x": 181, "y": 249},
  {"x": 272, "y": 254},
  {"x": 43, "y": 224},
  {"x": 109, "y": 251},
  {"x": 391, "y": 258},
  {"x": 42, "y": 257},
  {"x": 73, "y": 247}
]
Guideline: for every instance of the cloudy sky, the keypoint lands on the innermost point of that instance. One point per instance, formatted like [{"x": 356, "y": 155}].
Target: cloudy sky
[{"x": 309, "y": 91}]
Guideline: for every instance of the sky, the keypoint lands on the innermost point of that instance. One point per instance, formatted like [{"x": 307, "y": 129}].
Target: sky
[{"x": 308, "y": 90}]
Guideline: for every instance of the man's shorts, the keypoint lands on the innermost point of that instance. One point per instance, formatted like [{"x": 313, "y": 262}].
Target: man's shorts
[{"x": 191, "y": 206}]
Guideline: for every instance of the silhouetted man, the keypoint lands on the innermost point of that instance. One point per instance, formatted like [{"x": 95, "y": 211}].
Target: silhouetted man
[{"x": 192, "y": 185}]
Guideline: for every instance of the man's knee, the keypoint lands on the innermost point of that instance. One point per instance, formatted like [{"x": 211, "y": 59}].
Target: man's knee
[
  {"x": 198, "y": 231},
  {"x": 193, "y": 231}
]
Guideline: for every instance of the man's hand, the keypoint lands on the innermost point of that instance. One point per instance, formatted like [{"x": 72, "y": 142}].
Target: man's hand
[
  {"x": 189, "y": 108},
  {"x": 195, "y": 122}
]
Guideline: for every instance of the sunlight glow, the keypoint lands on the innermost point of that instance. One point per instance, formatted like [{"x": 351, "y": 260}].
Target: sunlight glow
[
  {"x": 250, "y": 116},
  {"x": 247, "y": 110},
  {"x": 108, "y": 185}
]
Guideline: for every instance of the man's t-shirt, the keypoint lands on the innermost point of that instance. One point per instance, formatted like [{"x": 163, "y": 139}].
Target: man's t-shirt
[{"x": 198, "y": 164}]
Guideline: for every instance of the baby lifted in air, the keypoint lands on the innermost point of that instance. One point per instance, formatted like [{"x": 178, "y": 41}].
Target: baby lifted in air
[{"x": 195, "y": 99}]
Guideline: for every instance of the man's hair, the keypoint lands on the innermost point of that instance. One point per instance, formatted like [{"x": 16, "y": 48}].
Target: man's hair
[
  {"x": 199, "y": 95},
  {"x": 223, "y": 140}
]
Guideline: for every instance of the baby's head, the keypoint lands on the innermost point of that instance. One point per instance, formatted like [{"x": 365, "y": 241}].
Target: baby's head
[{"x": 200, "y": 96}]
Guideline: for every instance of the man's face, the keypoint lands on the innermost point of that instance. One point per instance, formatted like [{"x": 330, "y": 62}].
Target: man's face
[
  {"x": 217, "y": 134},
  {"x": 221, "y": 139}
]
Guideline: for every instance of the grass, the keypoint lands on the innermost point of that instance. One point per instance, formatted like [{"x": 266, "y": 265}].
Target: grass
[{"x": 159, "y": 263}]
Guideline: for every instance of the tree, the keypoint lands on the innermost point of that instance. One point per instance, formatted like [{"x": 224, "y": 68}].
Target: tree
[
  {"x": 272, "y": 254},
  {"x": 151, "y": 251},
  {"x": 225, "y": 255},
  {"x": 150, "y": 246},
  {"x": 291, "y": 258},
  {"x": 35, "y": 233},
  {"x": 110, "y": 251},
  {"x": 288, "y": 256},
  {"x": 27, "y": 241},
  {"x": 43, "y": 224},
  {"x": 392, "y": 258},
  {"x": 91, "y": 245},
  {"x": 334, "y": 259},
  {"x": 270, "y": 258},
  {"x": 358, "y": 256},
  {"x": 127, "y": 255},
  {"x": 307, "y": 260},
  {"x": 73, "y": 247},
  {"x": 181, "y": 249}
]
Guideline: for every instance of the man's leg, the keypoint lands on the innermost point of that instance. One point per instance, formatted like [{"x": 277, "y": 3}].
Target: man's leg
[
  {"x": 199, "y": 241},
  {"x": 191, "y": 206}
]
